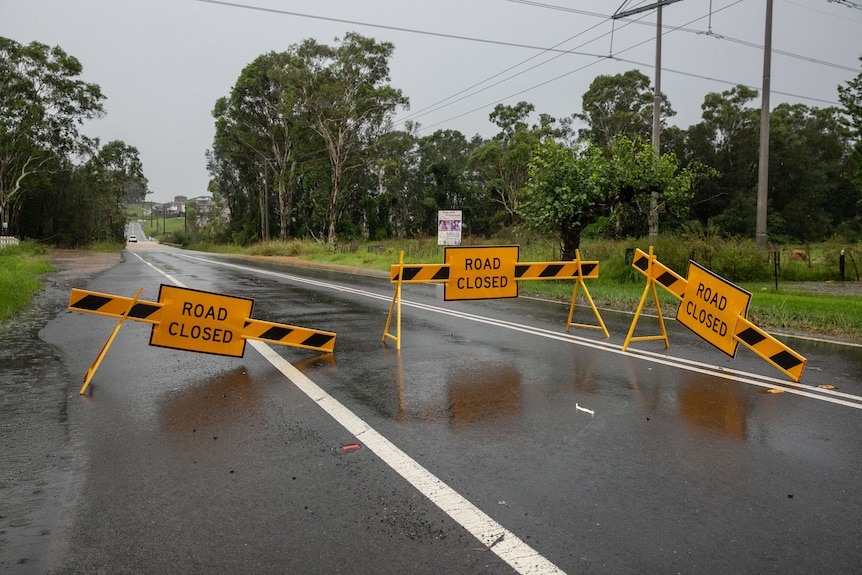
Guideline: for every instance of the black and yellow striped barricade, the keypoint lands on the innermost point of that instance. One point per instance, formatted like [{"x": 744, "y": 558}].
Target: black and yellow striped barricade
[
  {"x": 412, "y": 273},
  {"x": 714, "y": 309},
  {"x": 488, "y": 272},
  {"x": 577, "y": 270},
  {"x": 194, "y": 320}
]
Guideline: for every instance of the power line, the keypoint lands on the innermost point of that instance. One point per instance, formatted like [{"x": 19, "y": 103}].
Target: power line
[
  {"x": 847, "y": 3},
  {"x": 699, "y": 32},
  {"x": 554, "y": 49}
]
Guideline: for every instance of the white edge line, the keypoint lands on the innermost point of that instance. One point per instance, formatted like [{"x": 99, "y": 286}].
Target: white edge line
[{"x": 505, "y": 544}]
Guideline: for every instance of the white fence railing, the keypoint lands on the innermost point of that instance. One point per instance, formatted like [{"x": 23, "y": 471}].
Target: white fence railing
[{"x": 6, "y": 241}]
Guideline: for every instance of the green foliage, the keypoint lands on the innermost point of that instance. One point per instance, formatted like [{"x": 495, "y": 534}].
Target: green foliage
[
  {"x": 819, "y": 313},
  {"x": 42, "y": 106},
  {"x": 640, "y": 186},
  {"x": 563, "y": 193},
  {"x": 296, "y": 138},
  {"x": 20, "y": 268},
  {"x": 620, "y": 105}
]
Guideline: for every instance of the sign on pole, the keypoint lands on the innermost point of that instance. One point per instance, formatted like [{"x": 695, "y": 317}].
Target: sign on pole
[{"x": 449, "y": 224}]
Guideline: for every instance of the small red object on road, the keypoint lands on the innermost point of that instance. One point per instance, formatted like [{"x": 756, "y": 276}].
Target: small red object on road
[{"x": 349, "y": 447}]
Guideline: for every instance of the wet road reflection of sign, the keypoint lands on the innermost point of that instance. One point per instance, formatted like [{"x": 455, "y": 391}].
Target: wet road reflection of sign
[
  {"x": 711, "y": 306},
  {"x": 201, "y": 321}
]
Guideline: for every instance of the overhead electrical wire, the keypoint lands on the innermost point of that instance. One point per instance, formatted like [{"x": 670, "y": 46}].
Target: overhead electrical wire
[
  {"x": 694, "y": 31},
  {"x": 543, "y": 50},
  {"x": 616, "y": 57}
]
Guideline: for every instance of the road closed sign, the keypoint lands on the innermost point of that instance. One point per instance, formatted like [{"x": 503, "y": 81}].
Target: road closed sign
[
  {"x": 710, "y": 307},
  {"x": 201, "y": 321},
  {"x": 481, "y": 272}
]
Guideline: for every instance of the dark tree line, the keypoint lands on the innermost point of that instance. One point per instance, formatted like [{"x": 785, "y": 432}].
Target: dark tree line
[
  {"x": 56, "y": 184},
  {"x": 283, "y": 176},
  {"x": 305, "y": 147}
]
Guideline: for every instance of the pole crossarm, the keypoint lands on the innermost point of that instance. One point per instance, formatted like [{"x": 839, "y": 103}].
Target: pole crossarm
[{"x": 642, "y": 9}]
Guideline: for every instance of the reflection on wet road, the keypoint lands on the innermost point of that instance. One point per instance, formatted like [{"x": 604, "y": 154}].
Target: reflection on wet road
[{"x": 676, "y": 463}]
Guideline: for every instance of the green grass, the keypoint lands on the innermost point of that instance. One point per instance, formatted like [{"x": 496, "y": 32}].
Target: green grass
[
  {"x": 808, "y": 312},
  {"x": 619, "y": 286},
  {"x": 20, "y": 268},
  {"x": 157, "y": 226}
]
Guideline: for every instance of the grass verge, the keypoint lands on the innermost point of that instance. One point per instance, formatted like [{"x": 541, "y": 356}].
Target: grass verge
[
  {"x": 619, "y": 287},
  {"x": 20, "y": 268}
]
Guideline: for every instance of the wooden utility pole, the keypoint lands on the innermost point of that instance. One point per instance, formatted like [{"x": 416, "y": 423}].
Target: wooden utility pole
[
  {"x": 656, "y": 106},
  {"x": 763, "y": 164}
]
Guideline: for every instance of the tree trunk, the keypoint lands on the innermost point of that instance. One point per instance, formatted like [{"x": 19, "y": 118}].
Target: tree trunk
[
  {"x": 333, "y": 203},
  {"x": 571, "y": 242},
  {"x": 653, "y": 215},
  {"x": 282, "y": 211}
]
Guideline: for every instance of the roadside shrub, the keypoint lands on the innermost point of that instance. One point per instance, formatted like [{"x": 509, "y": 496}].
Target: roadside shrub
[{"x": 740, "y": 260}]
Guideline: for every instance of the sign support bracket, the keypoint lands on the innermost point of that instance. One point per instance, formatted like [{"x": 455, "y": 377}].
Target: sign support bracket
[
  {"x": 650, "y": 286},
  {"x": 579, "y": 282},
  {"x": 92, "y": 371},
  {"x": 396, "y": 298}
]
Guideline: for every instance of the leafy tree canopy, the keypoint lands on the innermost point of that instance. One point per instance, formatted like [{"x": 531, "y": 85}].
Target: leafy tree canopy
[{"x": 42, "y": 106}]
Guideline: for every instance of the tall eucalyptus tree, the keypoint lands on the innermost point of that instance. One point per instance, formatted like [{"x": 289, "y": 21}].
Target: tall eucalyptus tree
[
  {"x": 42, "y": 106},
  {"x": 346, "y": 97}
]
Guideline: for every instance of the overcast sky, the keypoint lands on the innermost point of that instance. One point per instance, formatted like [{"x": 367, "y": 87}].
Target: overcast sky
[{"x": 163, "y": 63}]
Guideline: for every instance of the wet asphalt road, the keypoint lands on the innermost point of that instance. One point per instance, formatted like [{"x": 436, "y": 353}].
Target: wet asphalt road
[{"x": 180, "y": 462}]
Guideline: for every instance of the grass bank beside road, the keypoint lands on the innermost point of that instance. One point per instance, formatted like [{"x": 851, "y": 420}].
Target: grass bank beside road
[
  {"x": 810, "y": 305},
  {"x": 20, "y": 268},
  {"x": 821, "y": 307}
]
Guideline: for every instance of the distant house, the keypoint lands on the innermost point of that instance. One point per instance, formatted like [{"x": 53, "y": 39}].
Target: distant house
[{"x": 177, "y": 209}]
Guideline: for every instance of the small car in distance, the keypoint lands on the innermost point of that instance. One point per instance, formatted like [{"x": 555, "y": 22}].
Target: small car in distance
[{"x": 133, "y": 238}]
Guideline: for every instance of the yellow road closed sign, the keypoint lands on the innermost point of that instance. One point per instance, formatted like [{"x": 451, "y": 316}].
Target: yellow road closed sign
[
  {"x": 711, "y": 306},
  {"x": 481, "y": 272},
  {"x": 201, "y": 321}
]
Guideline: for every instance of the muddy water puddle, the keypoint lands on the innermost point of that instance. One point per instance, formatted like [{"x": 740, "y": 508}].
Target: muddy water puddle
[{"x": 35, "y": 455}]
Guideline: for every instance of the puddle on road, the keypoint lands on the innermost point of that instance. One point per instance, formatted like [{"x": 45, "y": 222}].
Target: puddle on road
[
  {"x": 35, "y": 454},
  {"x": 483, "y": 393}
]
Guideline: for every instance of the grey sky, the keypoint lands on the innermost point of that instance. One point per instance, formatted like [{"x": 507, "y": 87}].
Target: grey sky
[{"x": 163, "y": 63}]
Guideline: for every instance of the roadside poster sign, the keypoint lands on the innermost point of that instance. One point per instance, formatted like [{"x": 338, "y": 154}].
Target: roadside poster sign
[
  {"x": 486, "y": 272},
  {"x": 449, "y": 224},
  {"x": 711, "y": 306}
]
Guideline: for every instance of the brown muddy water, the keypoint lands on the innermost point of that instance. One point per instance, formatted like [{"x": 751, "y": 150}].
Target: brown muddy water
[{"x": 37, "y": 454}]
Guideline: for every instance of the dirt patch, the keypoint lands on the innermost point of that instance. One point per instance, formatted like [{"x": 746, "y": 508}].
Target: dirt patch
[
  {"x": 846, "y": 288},
  {"x": 76, "y": 265}
]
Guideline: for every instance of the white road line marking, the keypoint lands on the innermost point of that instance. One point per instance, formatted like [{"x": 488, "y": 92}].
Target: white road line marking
[{"x": 506, "y": 545}]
